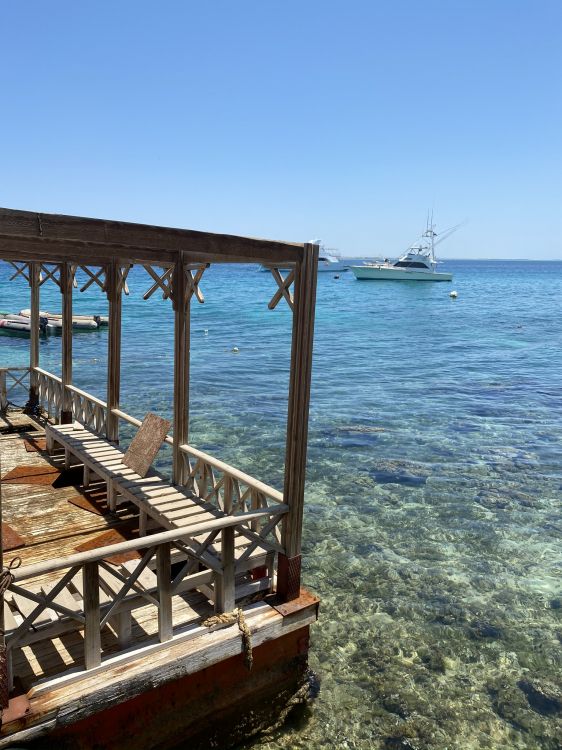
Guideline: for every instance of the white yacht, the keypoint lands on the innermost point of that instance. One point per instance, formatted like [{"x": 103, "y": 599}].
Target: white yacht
[
  {"x": 328, "y": 261},
  {"x": 417, "y": 264}
]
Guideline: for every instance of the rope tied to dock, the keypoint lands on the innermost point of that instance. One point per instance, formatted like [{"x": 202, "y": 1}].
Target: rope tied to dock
[
  {"x": 7, "y": 577},
  {"x": 229, "y": 618}
]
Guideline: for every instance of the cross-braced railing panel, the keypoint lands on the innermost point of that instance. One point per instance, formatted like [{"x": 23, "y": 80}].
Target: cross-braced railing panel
[
  {"x": 88, "y": 410},
  {"x": 234, "y": 492},
  {"x": 49, "y": 392},
  {"x": 12, "y": 380},
  {"x": 91, "y": 590}
]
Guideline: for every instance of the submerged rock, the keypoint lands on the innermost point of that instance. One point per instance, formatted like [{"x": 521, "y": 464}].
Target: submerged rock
[
  {"x": 544, "y": 699},
  {"x": 387, "y": 477},
  {"x": 399, "y": 743},
  {"x": 399, "y": 472},
  {"x": 500, "y": 498},
  {"x": 533, "y": 707},
  {"x": 483, "y": 629}
]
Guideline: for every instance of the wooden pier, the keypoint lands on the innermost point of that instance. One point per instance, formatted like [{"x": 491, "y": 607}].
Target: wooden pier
[{"x": 143, "y": 610}]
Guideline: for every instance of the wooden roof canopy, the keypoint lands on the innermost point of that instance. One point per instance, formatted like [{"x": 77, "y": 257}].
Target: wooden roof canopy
[
  {"x": 53, "y": 238},
  {"x": 36, "y": 240}
]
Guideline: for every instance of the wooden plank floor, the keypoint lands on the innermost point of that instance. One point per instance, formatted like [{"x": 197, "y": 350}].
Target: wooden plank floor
[{"x": 51, "y": 527}]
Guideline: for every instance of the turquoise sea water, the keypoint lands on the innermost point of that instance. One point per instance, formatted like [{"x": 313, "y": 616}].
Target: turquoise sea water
[{"x": 433, "y": 525}]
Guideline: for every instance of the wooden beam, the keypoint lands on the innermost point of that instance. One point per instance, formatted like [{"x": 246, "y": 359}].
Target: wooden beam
[
  {"x": 297, "y": 421},
  {"x": 114, "y": 296},
  {"x": 144, "y": 242},
  {"x": 182, "y": 323},
  {"x": 82, "y": 253},
  {"x": 66, "y": 277}
]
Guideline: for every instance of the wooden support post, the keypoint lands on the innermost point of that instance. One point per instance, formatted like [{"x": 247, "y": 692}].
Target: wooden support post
[
  {"x": 164, "y": 575},
  {"x": 114, "y": 296},
  {"x": 66, "y": 277},
  {"x": 288, "y": 574},
  {"x": 123, "y": 624},
  {"x": 34, "y": 279},
  {"x": 3, "y": 391},
  {"x": 143, "y": 522},
  {"x": 92, "y": 633},
  {"x": 111, "y": 495},
  {"x": 181, "y": 368},
  {"x": 225, "y": 584}
]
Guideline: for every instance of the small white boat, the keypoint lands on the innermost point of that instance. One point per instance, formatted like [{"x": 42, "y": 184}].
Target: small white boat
[
  {"x": 417, "y": 264},
  {"x": 328, "y": 261},
  {"x": 79, "y": 322},
  {"x": 18, "y": 324}
]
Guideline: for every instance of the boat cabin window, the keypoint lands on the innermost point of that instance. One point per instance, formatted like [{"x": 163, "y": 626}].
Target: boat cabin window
[{"x": 410, "y": 264}]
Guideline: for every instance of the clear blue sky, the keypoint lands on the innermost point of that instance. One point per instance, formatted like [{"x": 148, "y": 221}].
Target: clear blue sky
[{"x": 291, "y": 119}]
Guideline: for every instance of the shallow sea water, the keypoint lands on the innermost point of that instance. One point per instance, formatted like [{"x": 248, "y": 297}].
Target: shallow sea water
[{"x": 432, "y": 528}]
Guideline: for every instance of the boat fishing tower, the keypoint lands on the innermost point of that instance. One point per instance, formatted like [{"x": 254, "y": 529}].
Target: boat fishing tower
[{"x": 173, "y": 611}]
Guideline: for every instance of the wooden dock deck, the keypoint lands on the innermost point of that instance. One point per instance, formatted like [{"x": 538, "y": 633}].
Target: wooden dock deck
[{"x": 46, "y": 517}]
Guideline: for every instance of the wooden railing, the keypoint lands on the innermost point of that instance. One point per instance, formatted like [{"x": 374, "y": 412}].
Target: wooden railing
[
  {"x": 12, "y": 378},
  {"x": 49, "y": 392},
  {"x": 51, "y": 606},
  {"x": 88, "y": 410}
]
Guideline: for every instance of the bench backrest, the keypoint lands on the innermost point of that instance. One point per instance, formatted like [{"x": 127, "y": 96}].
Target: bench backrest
[{"x": 146, "y": 443}]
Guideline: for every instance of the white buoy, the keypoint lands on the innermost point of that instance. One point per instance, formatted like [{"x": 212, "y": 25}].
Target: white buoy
[
  {"x": 235, "y": 349},
  {"x": 453, "y": 294},
  {"x": 205, "y": 331}
]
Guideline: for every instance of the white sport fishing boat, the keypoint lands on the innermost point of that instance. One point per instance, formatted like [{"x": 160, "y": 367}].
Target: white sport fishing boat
[{"x": 417, "y": 264}]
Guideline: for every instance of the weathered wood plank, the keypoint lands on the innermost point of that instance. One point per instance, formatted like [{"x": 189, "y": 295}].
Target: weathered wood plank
[{"x": 59, "y": 237}]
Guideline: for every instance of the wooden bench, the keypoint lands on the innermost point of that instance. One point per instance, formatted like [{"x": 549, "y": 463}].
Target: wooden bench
[{"x": 170, "y": 507}]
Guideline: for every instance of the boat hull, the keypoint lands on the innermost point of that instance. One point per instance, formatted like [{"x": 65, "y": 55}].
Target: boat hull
[
  {"x": 85, "y": 322},
  {"x": 384, "y": 273}
]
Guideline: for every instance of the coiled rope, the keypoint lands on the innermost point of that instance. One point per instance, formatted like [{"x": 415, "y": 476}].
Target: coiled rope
[{"x": 229, "y": 618}]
